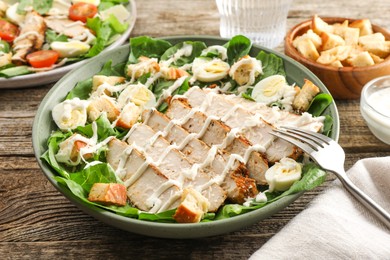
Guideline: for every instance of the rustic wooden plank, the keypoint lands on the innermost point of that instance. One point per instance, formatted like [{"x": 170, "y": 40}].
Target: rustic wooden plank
[{"x": 38, "y": 222}]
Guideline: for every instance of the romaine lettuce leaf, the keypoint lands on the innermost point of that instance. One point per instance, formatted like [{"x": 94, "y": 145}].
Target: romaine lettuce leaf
[
  {"x": 148, "y": 47},
  {"x": 197, "y": 48},
  {"x": 237, "y": 47}
]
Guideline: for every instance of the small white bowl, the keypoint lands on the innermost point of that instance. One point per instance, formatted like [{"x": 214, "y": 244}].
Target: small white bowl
[{"x": 375, "y": 107}]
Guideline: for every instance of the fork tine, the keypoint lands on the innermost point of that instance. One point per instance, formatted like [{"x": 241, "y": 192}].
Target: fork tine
[
  {"x": 302, "y": 138},
  {"x": 287, "y": 137},
  {"x": 308, "y": 133}
]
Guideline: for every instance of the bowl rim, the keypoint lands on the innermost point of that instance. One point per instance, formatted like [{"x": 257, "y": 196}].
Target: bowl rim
[
  {"x": 364, "y": 96},
  {"x": 158, "y": 229},
  {"x": 292, "y": 34}
]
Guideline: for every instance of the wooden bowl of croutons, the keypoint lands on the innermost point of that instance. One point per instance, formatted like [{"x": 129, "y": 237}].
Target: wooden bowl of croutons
[{"x": 344, "y": 53}]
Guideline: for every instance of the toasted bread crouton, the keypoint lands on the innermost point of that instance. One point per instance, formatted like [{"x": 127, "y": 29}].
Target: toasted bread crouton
[
  {"x": 102, "y": 104},
  {"x": 381, "y": 49},
  {"x": 362, "y": 59},
  {"x": 192, "y": 208},
  {"x": 336, "y": 64},
  {"x": 315, "y": 38},
  {"x": 339, "y": 28},
  {"x": 98, "y": 80},
  {"x": 351, "y": 36},
  {"x": 129, "y": 115},
  {"x": 170, "y": 73},
  {"x": 339, "y": 53},
  {"x": 375, "y": 37},
  {"x": 330, "y": 40},
  {"x": 364, "y": 25},
  {"x": 319, "y": 26},
  {"x": 304, "y": 97},
  {"x": 307, "y": 48},
  {"x": 376, "y": 58},
  {"x": 144, "y": 66},
  {"x": 70, "y": 150},
  {"x": 108, "y": 194}
]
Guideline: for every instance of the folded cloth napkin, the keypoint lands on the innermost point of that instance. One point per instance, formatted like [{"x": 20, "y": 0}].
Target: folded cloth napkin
[{"x": 335, "y": 225}]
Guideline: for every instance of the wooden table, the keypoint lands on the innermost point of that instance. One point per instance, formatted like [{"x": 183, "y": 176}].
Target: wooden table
[{"x": 36, "y": 221}]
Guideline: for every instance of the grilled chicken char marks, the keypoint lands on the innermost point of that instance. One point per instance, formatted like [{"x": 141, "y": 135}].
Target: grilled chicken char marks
[
  {"x": 175, "y": 165},
  {"x": 142, "y": 190},
  {"x": 216, "y": 132},
  {"x": 31, "y": 37},
  {"x": 250, "y": 124},
  {"x": 236, "y": 183}
]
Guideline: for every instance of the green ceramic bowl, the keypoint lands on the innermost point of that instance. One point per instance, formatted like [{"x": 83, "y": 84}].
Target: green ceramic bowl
[{"x": 44, "y": 125}]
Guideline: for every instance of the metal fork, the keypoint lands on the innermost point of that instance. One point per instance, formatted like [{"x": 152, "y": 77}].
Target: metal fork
[{"x": 329, "y": 155}]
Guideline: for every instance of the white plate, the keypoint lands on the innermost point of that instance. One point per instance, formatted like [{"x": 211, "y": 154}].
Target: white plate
[{"x": 41, "y": 78}]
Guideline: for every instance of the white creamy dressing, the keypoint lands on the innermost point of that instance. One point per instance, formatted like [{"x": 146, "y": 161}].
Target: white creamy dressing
[
  {"x": 380, "y": 101},
  {"x": 141, "y": 68},
  {"x": 255, "y": 70},
  {"x": 70, "y": 113},
  {"x": 168, "y": 92},
  {"x": 222, "y": 51},
  {"x": 186, "y": 51}
]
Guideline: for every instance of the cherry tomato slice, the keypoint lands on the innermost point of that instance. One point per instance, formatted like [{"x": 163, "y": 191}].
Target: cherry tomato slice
[
  {"x": 8, "y": 31},
  {"x": 43, "y": 58},
  {"x": 81, "y": 11}
]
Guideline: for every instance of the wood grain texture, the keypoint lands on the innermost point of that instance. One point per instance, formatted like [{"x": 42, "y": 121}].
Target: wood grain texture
[{"x": 37, "y": 222}]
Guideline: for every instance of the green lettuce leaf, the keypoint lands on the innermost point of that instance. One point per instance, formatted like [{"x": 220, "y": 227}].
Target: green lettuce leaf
[
  {"x": 148, "y": 47},
  {"x": 197, "y": 48},
  {"x": 237, "y": 47}
]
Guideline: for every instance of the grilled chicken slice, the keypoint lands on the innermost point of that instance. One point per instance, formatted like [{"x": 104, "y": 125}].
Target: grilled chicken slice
[
  {"x": 175, "y": 165},
  {"x": 279, "y": 117},
  {"x": 249, "y": 124},
  {"x": 215, "y": 132},
  {"x": 236, "y": 182},
  {"x": 65, "y": 26},
  {"x": 31, "y": 37},
  {"x": 147, "y": 188}
]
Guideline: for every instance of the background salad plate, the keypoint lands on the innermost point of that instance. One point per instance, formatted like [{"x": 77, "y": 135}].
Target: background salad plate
[
  {"x": 41, "y": 78},
  {"x": 44, "y": 125}
]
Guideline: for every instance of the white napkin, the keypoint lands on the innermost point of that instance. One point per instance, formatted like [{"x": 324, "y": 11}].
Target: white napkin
[{"x": 335, "y": 225}]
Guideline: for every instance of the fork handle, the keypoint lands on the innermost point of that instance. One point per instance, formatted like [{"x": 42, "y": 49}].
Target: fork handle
[{"x": 369, "y": 203}]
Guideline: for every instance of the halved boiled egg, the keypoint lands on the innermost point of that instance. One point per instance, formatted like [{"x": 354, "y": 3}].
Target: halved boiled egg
[
  {"x": 209, "y": 70},
  {"x": 283, "y": 174},
  {"x": 70, "y": 49},
  {"x": 70, "y": 113},
  {"x": 138, "y": 94},
  {"x": 270, "y": 89},
  {"x": 13, "y": 15}
]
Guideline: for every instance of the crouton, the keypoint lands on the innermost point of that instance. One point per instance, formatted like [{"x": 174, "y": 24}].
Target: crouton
[
  {"x": 319, "y": 26},
  {"x": 128, "y": 116},
  {"x": 339, "y": 28},
  {"x": 307, "y": 48},
  {"x": 108, "y": 194},
  {"x": 336, "y": 64},
  {"x": 144, "y": 66},
  {"x": 362, "y": 59},
  {"x": 102, "y": 104},
  {"x": 98, "y": 80},
  {"x": 70, "y": 150},
  {"x": 192, "y": 208},
  {"x": 364, "y": 25},
  {"x": 304, "y": 97},
  {"x": 376, "y": 58},
  {"x": 315, "y": 38},
  {"x": 330, "y": 40},
  {"x": 351, "y": 36}
]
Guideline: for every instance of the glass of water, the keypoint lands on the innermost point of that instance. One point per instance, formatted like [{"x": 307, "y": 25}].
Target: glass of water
[{"x": 262, "y": 21}]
